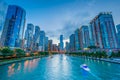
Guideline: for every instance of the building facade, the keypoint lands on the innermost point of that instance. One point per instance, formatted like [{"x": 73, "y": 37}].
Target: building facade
[
  {"x": 46, "y": 43},
  {"x": 29, "y": 37},
  {"x": 72, "y": 42},
  {"x": 42, "y": 41},
  {"x": 3, "y": 10},
  {"x": 61, "y": 43},
  {"x": 67, "y": 46},
  {"x": 102, "y": 31},
  {"x": 50, "y": 42},
  {"x": 118, "y": 34},
  {"x": 84, "y": 36},
  {"x": 77, "y": 39},
  {"x": 36, "y": 38},
  {"x": 13, "y": 30}
]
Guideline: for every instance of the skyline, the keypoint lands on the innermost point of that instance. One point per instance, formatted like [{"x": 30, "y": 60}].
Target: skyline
[{"x": 67, "y": 15}]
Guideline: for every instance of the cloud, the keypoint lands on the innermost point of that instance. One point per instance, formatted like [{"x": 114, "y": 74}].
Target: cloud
[
  {"x": 81, "y": 18},
  {"x": 51, "y": 33},
  {"x": 69, "y": 26},
  {"x": 68, "y": 29}
]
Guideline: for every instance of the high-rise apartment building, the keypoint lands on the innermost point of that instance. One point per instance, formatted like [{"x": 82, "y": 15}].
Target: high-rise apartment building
[
  {"x": 118, "y": 34},
  {"x": 61, "y": 43},
  {"x": 102, "y": 31},
  {"x": 72, "y": 42},
  {"x": 36, "y": 38},
  {"x": 13, "y": 31},
  {"x": 42, "y": 41},
  {"x": 29, "y": 37},
  {"x": 77, "y": 39},
  {"x": 84, "y": 36}
]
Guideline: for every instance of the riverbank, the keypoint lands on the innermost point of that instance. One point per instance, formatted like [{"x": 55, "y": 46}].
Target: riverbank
[
  {"x": 8, "y": 61},
  {"x": 111, "y": 60}
]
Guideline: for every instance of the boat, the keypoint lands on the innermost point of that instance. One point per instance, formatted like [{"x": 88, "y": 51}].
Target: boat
[{"x": 85, "y": 67}]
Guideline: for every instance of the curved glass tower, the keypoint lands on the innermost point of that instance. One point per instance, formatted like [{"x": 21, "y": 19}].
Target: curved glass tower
[
  {"x": 13, "y": 30},
  {"x": 3, "y": 10}
]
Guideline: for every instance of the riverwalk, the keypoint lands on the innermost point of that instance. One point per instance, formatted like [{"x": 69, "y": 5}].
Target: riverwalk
[{"x": 3, "y": 62}]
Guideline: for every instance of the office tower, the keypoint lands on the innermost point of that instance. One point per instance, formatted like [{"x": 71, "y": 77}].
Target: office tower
[
  {"x": 77, "y": 39},
  {"x": 67, "y": 46},
  {"x": 84, "y": 36},
  {"x": 118, "y": 34},
  {"x": 13, "y": 30},
  {"x": 3, "y": 10},
  {"x": 36, "y": 38},
  {"x": 72, "y": 42},
  {"x": 29, "y": 37},
  {"x": 42, "y": 41},
  {"x": 50, "y": 45},
  {"x": 46, "y": 43},
  {"x": 58, "y": 46},
  {"x": 102, "y": 31},
  {"x": 118, "y": 28},
  {"x": 54, "y": 47},
  {"x": 61, "y": 43}
]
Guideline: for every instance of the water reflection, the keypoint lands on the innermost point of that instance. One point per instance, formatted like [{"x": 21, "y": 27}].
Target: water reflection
[
  {"x": 30, "y": 65},
  {"x": 11, "y": 69},
  {"x": 59, "y": 67}
]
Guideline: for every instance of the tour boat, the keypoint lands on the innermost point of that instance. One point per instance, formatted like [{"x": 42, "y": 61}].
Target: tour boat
[{"x": 85, "y": 67}]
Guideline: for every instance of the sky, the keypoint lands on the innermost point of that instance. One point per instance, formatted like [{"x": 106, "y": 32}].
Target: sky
[{"x": 57, "y": 17}]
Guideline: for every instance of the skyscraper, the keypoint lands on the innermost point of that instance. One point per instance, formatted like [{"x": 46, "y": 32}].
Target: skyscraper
[
  {"x": 29, "y": 36},
  {"x": 61, "y": 43},
  {"x": 42, "y": 41},
  {"x": 67, "y": 46},
  {"x": 50, "y": 45},
  {"x": 118, "y": 34},
  {"x": 77, "y": 39},
  {"x": 13, "y": 30},
  {"x": 72, "y": 42},
  {"x": 46, "y": 43},
  {"x": 118, "y": 28},
  {"x": 84, "y": 36},
  {"x": 3, "y": 10},
  {"x": 36, "y": 38},
  {"x": 102, "y": 31}
]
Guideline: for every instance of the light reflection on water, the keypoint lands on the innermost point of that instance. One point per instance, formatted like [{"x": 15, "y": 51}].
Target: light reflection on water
[
  {"x": 29, "y": 65},
  {"x": 59, "y": 67}
]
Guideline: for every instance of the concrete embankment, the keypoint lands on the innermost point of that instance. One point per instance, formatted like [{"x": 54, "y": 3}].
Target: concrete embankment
[
  {"x": 111, "y": 60},
  {"x": 17, "y": 60}
]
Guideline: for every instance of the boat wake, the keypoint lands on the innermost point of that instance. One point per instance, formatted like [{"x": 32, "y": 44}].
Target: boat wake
[{"x": 86, "y": 68}]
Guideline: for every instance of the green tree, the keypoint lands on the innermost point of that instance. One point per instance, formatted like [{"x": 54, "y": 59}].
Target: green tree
[
  {"x": 7, "y": 52},
  {"x": 20, "y": 52}
]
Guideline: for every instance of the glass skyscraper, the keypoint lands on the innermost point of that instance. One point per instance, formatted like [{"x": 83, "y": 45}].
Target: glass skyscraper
[
  {"x": 118, "y": 34},
  {"x": 3, "y": 10},
  {"x": 42, "y": 41},
  {"x": 84, "y": 36},
  {"x": 72, "y": 42},
  {"x": 102, "y": 31},
  {"x": 36, "y": 38},
  {"x": 67, "y": 46},
  {"x": 61, "y": 42},
  {"x": 46, "y": 43},
  {"x": 29, "y": 37},
  {"x": 77, "y": 39},
  {"x": 50, "y": 42},
  {"x": 13, "y": 30}
]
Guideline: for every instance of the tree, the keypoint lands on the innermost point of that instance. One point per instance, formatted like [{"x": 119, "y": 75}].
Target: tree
[
  {"x": 20, "y": 52},
  {"x": 7, "y": 52}
]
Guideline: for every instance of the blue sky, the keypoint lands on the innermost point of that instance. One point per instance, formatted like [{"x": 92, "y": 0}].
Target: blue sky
[{"x": 64, "y": 16}]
